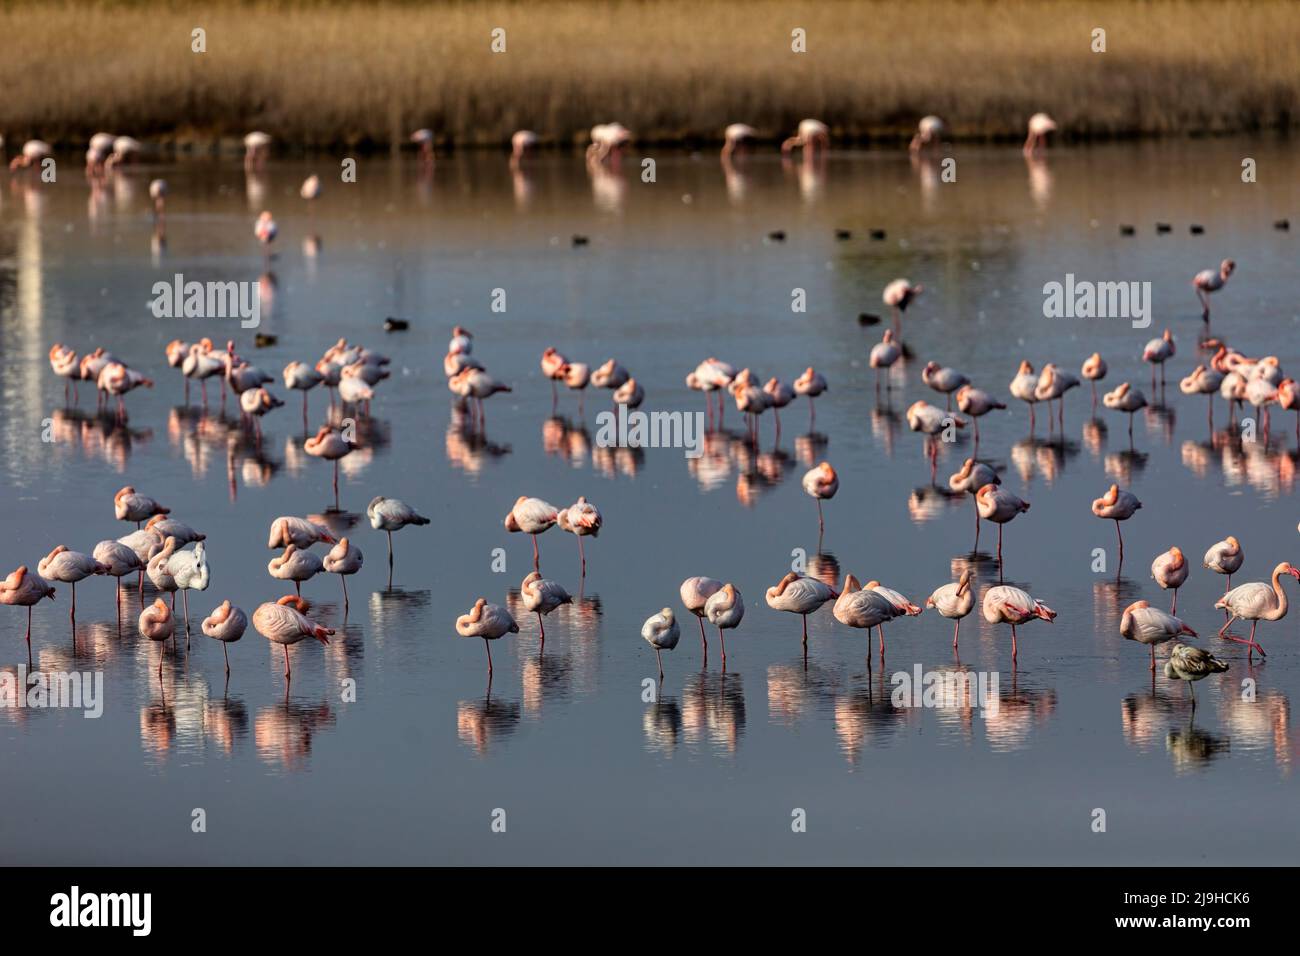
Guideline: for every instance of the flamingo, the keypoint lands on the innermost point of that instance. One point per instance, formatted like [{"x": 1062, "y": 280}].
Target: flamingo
[
  {"x": 1052, "y": 385},
  {"x": 157, "y": 624},
  {"x": 256, "y": 147},
  {"x": 69, "y": 567},
  {"x": 287, "y": 530},
  {"x": 929, "y": 133},
  {"x": 202, "y": 363},
  {"x": 120, "y": 560},
  {"x": 488, "y": 621},
  {"x": 1261, "y": 393},
  {"x": 1207, "y": 281},
  {"x": 156, "y": 569},
  {"x": 611, "y": 375},
  {"x": 943, "y": 380},
  {"x": 172, "y": 528},
  {"x": 930, "y": 420},
  {"x": 811, "y": 136},
  {"x": 736, "y": 136},
  {"x": 710, "y": 376},
  {"x": 553, "y": 363},
  {"x": 695, "y": 593},
  {"x": 128, "y": 505},
  {"x": 779, "y": 395},
  {"x": 954, "y": 601},
  {"x": 22, "y": 588},
  {"x": 311, "y": 188},
  {"x": 607, "y": 142},
  {"x": 725, "y": 608},
  {"x": 265, "y": 230},
  {"x": 1146, "y": 625},
  {"x": 116, "y": 380},
  {"x": 662, "y": 633},
  {"x": 65, "y": 365},
  {"x": 863, "y": 608},
  {"x": 883, "y": 355},
  {"x": 1157, "y": 352},
  {"x": 542, "y": 597},
  {"x": 301, "y": 376},
  {"x": 581, "y": 519},
  {"x": 256, "y": 402},
  {"x": 1225, "y": 557},
  {"x": 902, "y": 606},
  {"x": 1255, "y": 602},
  {"x": 532, "y": 516},
  {"x": 328, "y": 443},
  {"x": 34, "y": 151},
  {"x": 226, "y": 624},
  {"x": 423, "y": 139},
  {"x": 283, "y": 622},
  {"x": 821, "y": 482},
  {"x": 476, "y": 384},
  {"x": 811, "y": 383},
  {"x": 190, "y": 569},
  {"x": 1039, "y": 125},
  {"x": 353, "y": 387},
  {"x": 898, "y": 295},
  {"x": 1204, "y": 381},
  {"x": 798, "y": 594},
  {"x": 576, "y": 376},
  {"x": 522, "y": 143},
  {"x": 1288, "y": 397},
  {"x": 1025, "y": 387},
  {"x": 1007, "y": 605},
  {"x": 969, "y": 479},
  {"x": 296, "y": 565},
  {"x": 1094, "y": 370},
  {"x": 1116, "y": 505},
  {"x": 976, "y": 403},
  {"x": 343, "y": 559},
  {"x": 1125, "y": 398},
  {"x": 751, "y": 400},
  {"x": 462, "y": 340},
  {"x": 630, "y": 394},
  {"x": 389, "y": 515},
  {"x": 1170, "y": 571},
  {"x": 158, "y": 193},
  {"x": 999, "y": 506},
  {"x": 1192, "y": 664}
]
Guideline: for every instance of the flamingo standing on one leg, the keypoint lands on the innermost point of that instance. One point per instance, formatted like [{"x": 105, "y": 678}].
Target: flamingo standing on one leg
[
  {"x": 811, "y": 383},
  {"x": 389, "y": 515},
  {"x": 1170, "y": 571},
  {"x": 943, "y": 380},
  {"x": 821, "y": 482},
  {"x": 1192, "y": 664},
  {"x": 128, "y": 505},
  {"x": 120, "y": 560},
  {"x": 1117, "y": 505},
  {"x": 158, "y": 624},
  {"x": 898, "y": 295},
  {"x": 1025, "y": 387},
  {"x": 1157, "y": 352},
  {"x": 1039, "y": 125},
  {"x": 695, "y": 593},
  {"x": 541, "y": 597},
  {"x": 1255, "y": 602},
  {"x": 662, "y": 633},
  {"x": 931, "y": 421},
  {"x": 22, "y": 588},
  {"x": 863, "y": 608},
  {"x": 954, "y": 601},
  {"x": 190, "y": 569},
  {"x": 581, "y": 519},
  {"x": 1147, "y": 625},
  {"x": 883, "y": 355},
  {"x": 328, "y": 443},
  {"x": 343, "y": 559},
  {"x": 725, "y": 608},
  {"x": 532, "y": 516},
  {"x": 999, "y": 506},
  {"x": 800, "y": 595},
  {"x": 226, "y": 624},
  {"x": 1007, "y": 605},
  {"x": 488, "y": 621},
  {"x": 976, "y": 403},
  {"x": 296, "y": 565},
  {"x": 1211, "y": 280},
  {"x": 1125, "y": 398},
  {"x": 1225, "y": 557},
  {"x": 1052, "y": 385},
  {"x": 902, "y": 606},
  {"x": 283, "y": 623},
  {"x": 1094, "y": 370},
  {"x": 69, "y": 567},
  {"x": 973, "y": 476}
]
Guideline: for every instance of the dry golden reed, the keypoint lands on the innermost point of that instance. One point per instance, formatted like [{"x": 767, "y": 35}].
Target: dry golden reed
[{"x": 364, "y": 73}]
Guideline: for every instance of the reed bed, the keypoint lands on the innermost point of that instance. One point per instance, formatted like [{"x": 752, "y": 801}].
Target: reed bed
[{"x": 365, "y": 73}]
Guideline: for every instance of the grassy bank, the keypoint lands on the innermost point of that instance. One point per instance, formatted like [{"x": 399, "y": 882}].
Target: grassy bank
[{"x": 363, "y": 73}]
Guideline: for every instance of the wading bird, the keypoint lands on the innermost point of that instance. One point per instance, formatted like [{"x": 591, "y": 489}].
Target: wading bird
[
  {"x": 725, "y": 608},
  {"x": 662, "y": 633},
  {"x": 1210, "y": 280},
  {"x": 1007, "y": 605},
  {"x": 283, "y": 623},
  {"x": 1094, "y": 370},
  {"x": 1225, "y": 557},
  {"x": 130, "y": 506},
  {"x": 1116, "y": 505},
  {"x": 1192, "y": 664},
  {"x": 226, "y": 624},
  {"x": 581, "y": 519},
  {"x": 296, "y": 565},
  {"x": 1255, "y": 602},
  {"x": 488, "y": 621},
  {"x": 695, "y": 593},
  {"x": 343, "y": 559},
  {"x": 389, "y": 515},
  {"x": 954, "y": 601},
  {"x": 69, "y": 567},
  {"x": 821, "y": 482},
  {"x": 812, "y": 136},
  {"x": 1146, "y": 625},
  {"x": 542, "y": 597},
  {"x": 800, "y": 595},
  {"x": 811, "y": 383},
  {"x": 1170, "y": 571},
  {"x": 22, "y": 588},
  {"x": 999, "y": 506},
  {"x": 532, "y": 516},
  {"x": 157, "y": 624},
  {"x": 1039, "y": 125},
  {"x": 863, "y": 608},
  {"x": 898, "y": 295}
]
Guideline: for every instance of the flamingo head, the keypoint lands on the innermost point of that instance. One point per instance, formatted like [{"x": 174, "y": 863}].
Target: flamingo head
[
  {"x": 986, "y": 490},
  {"x": 55, "y": 553},
  {"x": 1026, "y": 368},
  {"x": 1043, "y": 611},
  {"x": 850, "y": 584},
  {"x": 784, "y": 583},
  {"x": 1227, "y": 267},
  {"x": 293, "y": 601},
  {"x": 1285, "y": 568}
]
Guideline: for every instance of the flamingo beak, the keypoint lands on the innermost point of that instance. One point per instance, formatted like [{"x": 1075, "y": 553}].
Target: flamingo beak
[{"x": 1294, "y": 572}]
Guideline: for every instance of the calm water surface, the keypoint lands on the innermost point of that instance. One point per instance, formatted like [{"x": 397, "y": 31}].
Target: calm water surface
[{"x": 564, "y": 743}]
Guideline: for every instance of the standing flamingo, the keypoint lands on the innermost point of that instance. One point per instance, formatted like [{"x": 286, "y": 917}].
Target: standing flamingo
[
  {"x": 898, "y": 295},
  {"x": 580, "y": 519},
  {"x": 1116, "y": 505},
  {"x": 695, "y": 593},
  {"x": 954, "y": 601},
  {"x": 343, "y": 559},
  {"x": 821, "y": 482},
  {"x": 130, "y": 506},
  {"x": 811, "y": 383},
  {"x": 800, "y": 595},
  {"x": 1225, "y": 557},
  {"x": 488, "y": 621},
  {"x": 1170, "y": 571},
  {"x": 725, "y": 608},
  {"x": 283, "y": 623},
  {"x": 389, "y": 515},
  {"x": 296, "y": 565},
  {"x": 662, "y": 633},
  {"x": 1255, "y": 602},
  {"x": 1146, "y": 625},
  {"x": 1125, "y": 398},
  {"x": 1007, "y": 605},
  {"x": 287, "y": 530},
  {"x": 969, "y": 479},
  {"x": 736, "y": 136},
  {"x": 1039, "y": 125},
  {"x": 301, "y": 376},
  {"x": 226, "y": 624},
  {"x": 1157, "y": 352},
  {"x": 883, "y": 355},
  {"x": 328, "y": 443},
  {"x": 863, "y": 608},
  {"x": 190, "y": 569},
  {"x": 943, "y": 380},
  {"x": 120, "y": 560},
  {"x": 929, "y": 133},
  {"x": 779, "y": 395},
  {"x": 812, "y": 136},
  {"x": 1094, "y": 370},
  {"x": 1205, "y": 381},
  {"x": 1025, "y": 387},
  {"x": 976, "y": 403},
  {"x": 532, "y": 516},
  {"x": 999, "y": 506},
  {"x": 902, "y": 606},
  {"x": 24, "y": 589},
  {"x": 542, "y": 597},
  {"x": 1052, "y": 385},
  {"x": 69, "y": 567},
  {"x": 157, "y": 624},
  {"x": 931, "y": 421},
  {"x": 1192, "y": 664},
  {"x": 1210, "y": 280}
]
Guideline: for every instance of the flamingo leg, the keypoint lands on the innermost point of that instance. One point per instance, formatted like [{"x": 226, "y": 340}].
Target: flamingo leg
[
  {"x": 1120, "y": 535},
  {"x": 542, "y": 626},
  {"x": 224, "y": 652},
  {"x": 821, "y": 525},
  {"x": 287, "y": 672},
  {"x": 724, "y": 647},
  {"x": 881, "y": 629},
  {"x": 1227, "y": 624},
  {"x": 583, "y": 555},
  {"x": 1013, "y": 642},
  {"x": 660, "y": 659},
  {"x": 955, "y": 631},
  {"x": 1153, "y": 658},
  {"x": 345, "y": 593},
  {"x": 704, "y": 642},
  {"x": 805, "y": 632},
  {"x": 390, "y": 559},
  {"x": 488, "y": 648}
]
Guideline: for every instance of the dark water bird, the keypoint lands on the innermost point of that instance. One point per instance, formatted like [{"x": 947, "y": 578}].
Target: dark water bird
[
  {"x": 396, "y": 325},
  {"x": 1282, "y": 225},
  {"x": 1196, "y": 230},
  {"x": 1163, "y": 227},
  {"x": 776, "y": 235},
  {"x": 843, "y": 235},
  {"x": 264, "y": 341},
  {"x": 1192, "y": 664},
  {"x": 868, "y": 318},
  {"x": 878, "y": 235},
  {"x": 1127, "y": 231},
  {"x": 579, "y": 240}
]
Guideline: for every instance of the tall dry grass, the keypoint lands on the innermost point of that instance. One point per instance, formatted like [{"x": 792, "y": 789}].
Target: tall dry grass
[{"x": 366, "y": 73}]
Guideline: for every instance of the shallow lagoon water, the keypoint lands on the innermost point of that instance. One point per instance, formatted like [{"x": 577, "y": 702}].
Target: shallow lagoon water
[{"x": 675, "y": 270}]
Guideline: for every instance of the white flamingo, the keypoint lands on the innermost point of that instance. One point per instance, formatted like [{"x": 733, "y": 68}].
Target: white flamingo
[{"x": 1255, "y": 602}]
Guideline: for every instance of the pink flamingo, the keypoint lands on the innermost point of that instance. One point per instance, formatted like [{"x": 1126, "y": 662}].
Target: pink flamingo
[{"x": 1255, "y": 602}]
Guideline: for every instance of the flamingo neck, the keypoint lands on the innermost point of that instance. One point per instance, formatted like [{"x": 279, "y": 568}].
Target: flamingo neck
[{"x": 1280, "y": 611}]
